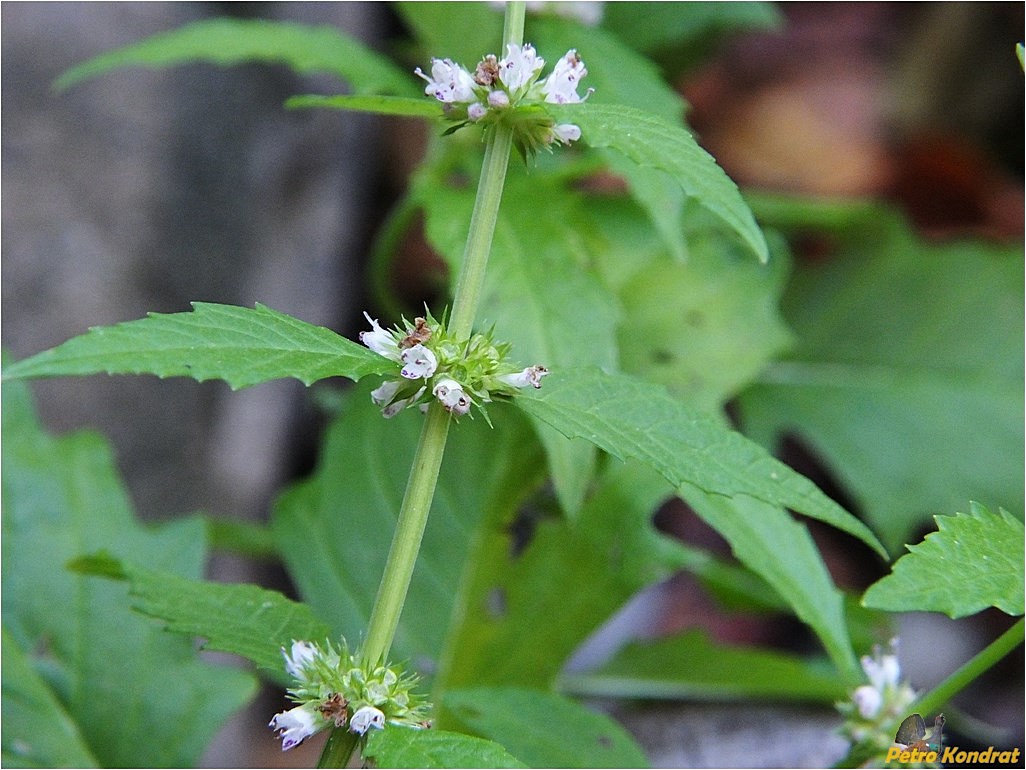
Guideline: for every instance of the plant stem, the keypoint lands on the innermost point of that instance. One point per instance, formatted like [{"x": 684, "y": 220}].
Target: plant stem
[
  {"x": 990, "y": 655},
  {"x": 420, "y": 489}
]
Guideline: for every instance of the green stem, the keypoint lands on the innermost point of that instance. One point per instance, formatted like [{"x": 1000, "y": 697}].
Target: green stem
[
  {"x": 954, "y": 684},
  {"x": 420, "y": 489}
]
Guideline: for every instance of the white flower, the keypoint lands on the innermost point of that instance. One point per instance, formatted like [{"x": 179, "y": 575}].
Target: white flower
[
  {"x": 565, "y": 133},
  {"x": 301, "y": 656},
  {"x": 476, "y": 111},
  {"x": 530, "y": 376},
  {"x": 520, "y": 67},
  {"x": 365, "y": 718},
  {"x": 560, "y": 87},
  {"x": 297, "y": 724},
  {"x": 449, "y": 82},
  {"x": 379, "y": 340},
  {"x": 419, "y": 362},
  {"x": 384, "y": 393},
  {"x": 868, "y": 699},
  {"x": 451, "y": 394}
]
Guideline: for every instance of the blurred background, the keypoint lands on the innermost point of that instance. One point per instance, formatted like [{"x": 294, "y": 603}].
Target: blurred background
[{"x": 142, "y": 191}]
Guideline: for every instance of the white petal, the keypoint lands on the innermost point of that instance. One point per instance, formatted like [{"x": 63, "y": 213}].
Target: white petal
[
  {"x": 384, "y": 393},
  {"x": 301, "y": 655},
  {"x": 532, "y": 376},
  {"x": 296, "y": 725},
  {"x": 450, "y": 394},
  {"x": 520, "y": 67},
  {"x": 366, "y": 718},
  {"x": 868, "y": 700},
  {"x": 419, "y": 362},
  {"x": 379, "y": 340},
  {"x": 566, "y": 132}
]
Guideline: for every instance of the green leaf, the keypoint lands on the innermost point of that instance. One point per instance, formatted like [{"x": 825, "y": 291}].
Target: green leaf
[
  {"x": 652, "y": 142},
  {"x": 544, "y": 729},
  {"x": 334, "y": 529},
  {"x": 907, "y": 375},
  {"x": 226, "y": 42},
  {"x": 973, "y": 561},
  {"x": 602, "y": 558},
  {"x": 241, "y": 346},
  {"x": 397, "y": 746},
  {"x": 630, "y": 418},
  {"x": 38, "y": 732},
  {"x": 781, "y": 551},
  {"x": 241, "y": 619},
  {"x": 656, "y": 28},
  {"x": 692, "y": 666},
  {"x": 62, "y": 497},
  {"x": 705, "y": 327},
  {"x": 378, "y": 105}
]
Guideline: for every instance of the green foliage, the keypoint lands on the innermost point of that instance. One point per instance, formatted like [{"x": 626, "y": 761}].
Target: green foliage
[
  {"x": 653, "y": 143},
  {"x": 973, "y": 561},
  {"x": 693, "y": 666},
  {"x": 98, "y": 660},
  {"x": 544, "y": 729},
  {"x": 407, "y": 747},
  {"x": 241, "y": 619},
  {"x": 38, "y": 732},
  {"x": 907, "y": 373},
  {"x": 631, "y": 418},
  {"x": 303, "y": 48},
  {"x": 241, "y": 346},
  {"x": 377, "y": 105}
]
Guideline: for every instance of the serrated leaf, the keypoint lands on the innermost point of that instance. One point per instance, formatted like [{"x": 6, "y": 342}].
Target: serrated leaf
[
  {"x": 334, "y": 528},
  {"x": 651, "y": 142},
  {"x": 973, "y": 561},
  {"x": 397, "y": 746},
  {"x": 692, "y": 666},
  {"x": 630, "y": 418},
  {"x": 241, "y": 346},
  {"x": 37, "y": 729},
  {"x": 242, "y": 619},
  {"x": 225, "y": 42},
  {"x": 62, "y": 497},
  {"x": 907, "y": 374},
  {"x": 378, "y": 105},
  {"x": 544, "y": 729}
]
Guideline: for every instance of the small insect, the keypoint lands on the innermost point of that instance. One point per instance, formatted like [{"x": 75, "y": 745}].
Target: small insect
[
  {"x": 335, "y": 708},
  {"x": 912, "y": 733},
  {"x": 421, "y": 333}
]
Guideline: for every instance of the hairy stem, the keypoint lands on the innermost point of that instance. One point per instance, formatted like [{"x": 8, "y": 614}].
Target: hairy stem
[{"x": 420, "y": 489}]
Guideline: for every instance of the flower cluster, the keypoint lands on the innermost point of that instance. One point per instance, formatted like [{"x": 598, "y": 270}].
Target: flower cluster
[
  {"x": 875, "y": 708},
  {"x": 333, "y": 688},
  {"x": 434, "y": 366},
  {"x": 510, "y": 91}
]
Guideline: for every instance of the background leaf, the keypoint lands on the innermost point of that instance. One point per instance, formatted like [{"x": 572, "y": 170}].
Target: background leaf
[
  {"x": 37, "y": 729},
  {"x": 544, "y": 729},
  {"x": 973, "y": 561},
  {"x": 907, "y": 374},
  {"x": 517, "y": 606},
  {"x": 241, "y": 346},
  {"x": 651, "y": 142},
  {"x": 630, "y": 418},
  {"x": 406, "y": 747},
  {"x": 692, "y": 666},
  {"x": 225, "y": 42},
  {"x": 62, "y": 497},
  {"x": 241, "y": 619}
]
